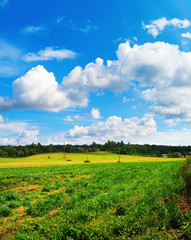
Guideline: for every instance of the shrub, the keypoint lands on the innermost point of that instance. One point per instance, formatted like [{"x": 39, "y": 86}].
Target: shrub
[{"x": 186, "y": 174}]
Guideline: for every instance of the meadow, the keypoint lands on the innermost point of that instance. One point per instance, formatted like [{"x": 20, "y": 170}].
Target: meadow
[{"x": 138, "y": 198}]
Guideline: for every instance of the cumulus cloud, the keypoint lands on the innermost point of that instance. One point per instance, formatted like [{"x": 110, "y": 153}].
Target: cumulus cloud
[
  {"x": 114, "y": 128},
  {"x": 95, "y": 114},
  {"x": 157, "y": 26},
  {"x": 38, "y": 89},
  {"x": 162, "y": 73},
  {"x": 49, "y": 54},
  {"x": 17, "y": 132},
  {"x": 186, "y": 35}
]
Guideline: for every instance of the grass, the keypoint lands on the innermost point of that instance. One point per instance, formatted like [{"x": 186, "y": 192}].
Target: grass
[
  {"x": 76, "y": 158},
  {"x": 130, "y": 200}
]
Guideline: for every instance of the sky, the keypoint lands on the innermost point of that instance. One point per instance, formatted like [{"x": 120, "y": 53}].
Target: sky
[{"x": 75, "y": 72}]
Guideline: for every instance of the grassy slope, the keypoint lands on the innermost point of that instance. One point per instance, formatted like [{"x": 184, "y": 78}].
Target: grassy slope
[{"x": 93, "y": 201}]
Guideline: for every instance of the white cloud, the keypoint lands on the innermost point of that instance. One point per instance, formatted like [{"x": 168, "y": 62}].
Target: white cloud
[
  {"x": 128, "y": 99},
  {"x": 28, "y": 136},
  {"x": 3, "y": 3},
  {"x": 68, "y": 119},
  {"x": 186, "y": 35},
  {"x": 33, "y": 29},
  {"x": 17, "y": 132},
  {"x": 157, "y": 26},
  {"x": 162, "y": 73},
  {"x": 114, "y": 128},
  {"x": 49, "y": 54},
  {"x": 38, "y": 89},
  {"x": 95, "y": 114}
]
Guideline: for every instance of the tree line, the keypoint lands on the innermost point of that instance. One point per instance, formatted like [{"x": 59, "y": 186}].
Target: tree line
[{"x": 112, "y": 146}]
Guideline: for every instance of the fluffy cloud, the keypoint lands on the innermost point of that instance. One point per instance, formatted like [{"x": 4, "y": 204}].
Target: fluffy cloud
[
  {"x": 114, "y": 128},
  {"x": 165, "y": 72},
  {"x": 95, "y": 114},
  {"x": 157, "y": 26},
  {"x": 17, "y": 133},
  {"x": 186, "y": 35},
  {"x": 49, "y": 54},
  {"x": 38, "y": 89},
  {"x": 162, "y": 73}
]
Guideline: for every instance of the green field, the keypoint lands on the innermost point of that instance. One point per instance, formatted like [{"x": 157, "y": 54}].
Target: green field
[
  {"x": 138, "y": 198},
  {"x": 77, "y": 158}
]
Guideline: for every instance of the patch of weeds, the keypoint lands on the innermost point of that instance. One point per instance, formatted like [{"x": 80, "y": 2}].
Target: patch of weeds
[
  {"x": 120, "y": 210},
  {"x": 6, "y": 183},
  {"x": 47, "y": 188},
  {"x": 70, "y": 190},
  {"x": 186, "y": 174},
  {"x": 14, "y": 204},
  {"x": 5, "y": 211},
  {"x": 67, "y": 182},
  {"x": 2, "y": 199},
  {"x": 27, "y": 202},
  {"x": 42, "y": 207},
  {"x": 11, "y": 195},
  {"x": 58, "y": 184}
]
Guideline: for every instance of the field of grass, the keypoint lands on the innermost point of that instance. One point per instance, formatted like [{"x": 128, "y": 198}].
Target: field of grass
[
  {"x": 76, "y": 158},
  {"x": 127, "y": 200}
]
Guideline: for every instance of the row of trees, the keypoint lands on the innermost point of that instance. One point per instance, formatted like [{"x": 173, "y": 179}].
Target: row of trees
[{"x": 112, "y": 146}]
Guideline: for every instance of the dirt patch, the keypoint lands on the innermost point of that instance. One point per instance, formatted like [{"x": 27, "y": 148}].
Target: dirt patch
[
  {"x": 183, "y": 203},
  {"x": 20, "y": 210},
  {"x": 2, "y": 235},
  {"x": 28, "y": 189},
  {"x": 53, "y": 212}
]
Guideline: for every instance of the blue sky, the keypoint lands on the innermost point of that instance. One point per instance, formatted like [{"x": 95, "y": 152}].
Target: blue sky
[{"x": 84, "y": 71}]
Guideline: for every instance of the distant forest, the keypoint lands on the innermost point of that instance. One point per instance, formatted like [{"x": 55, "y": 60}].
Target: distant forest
[{"x": 112, "y": 146}]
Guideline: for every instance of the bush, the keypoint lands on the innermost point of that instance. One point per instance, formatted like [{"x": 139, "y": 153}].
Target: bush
[{"x": 186, "y": 174}]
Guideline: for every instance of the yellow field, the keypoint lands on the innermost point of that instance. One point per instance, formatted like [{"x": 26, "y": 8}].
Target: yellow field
[{"x": 77, "y": 158}]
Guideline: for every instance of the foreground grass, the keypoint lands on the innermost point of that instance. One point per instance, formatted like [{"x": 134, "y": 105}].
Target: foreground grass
[{"x": 93, "y": 201}]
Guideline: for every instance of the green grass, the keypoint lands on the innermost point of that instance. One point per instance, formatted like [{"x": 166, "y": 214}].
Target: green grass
[
  {"x": 75, "y": 158},
  {"x": 130, "y": 200}
]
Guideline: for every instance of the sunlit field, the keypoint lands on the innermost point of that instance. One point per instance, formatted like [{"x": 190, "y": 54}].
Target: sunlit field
[
  {"x": 101, "y": 199},
  {"x": 77, "y": 158}
]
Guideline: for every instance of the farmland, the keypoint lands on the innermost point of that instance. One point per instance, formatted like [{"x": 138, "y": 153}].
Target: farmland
[{"x": 52, "y": 196}]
